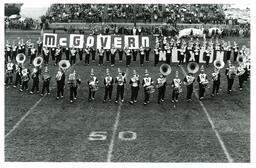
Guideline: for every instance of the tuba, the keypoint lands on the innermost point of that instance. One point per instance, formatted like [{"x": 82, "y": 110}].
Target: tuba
[
  {"x": 20, "y": 58},
  {"x": 64, "y": 65},
  {"x": 38, "y": 61},
  {"x": 193, "y": 67},
  {"x": 165, "y": 69},
  {"x": 219, "y": 64}
]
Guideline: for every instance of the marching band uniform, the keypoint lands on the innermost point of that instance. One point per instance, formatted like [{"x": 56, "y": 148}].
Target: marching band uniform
[
  {"x": 216, "y": 82},
  {"x": 80, "y": 53},
  {"x": 120, "y": 81},
  {"x": 33, "y": 54},
  {"x": 176, "y": 85},
  {"x": 202, "y": 80},
  {"x": 18, "y": 69},
  {"x": 181, "y": 55},
  {"x": 46, "y": 81},
  {"x": 128, "y": 56},
  {"x": 189, "y": 82},
  {"x": 58, "y": 55},
  {"x": 142, "y": 53},
  {"x": 231, "y": 74},
  {"x": 228, "y": 51},
  {"x": 189, "y": 48},
  {"x": 24, "y": 79},
  {"x": 46, "y": 54},
  {"x": 35, "y": 78},
  {"x": 156, "y": 51},
  {"x": 134, "y": 54},
  {"x": 134, "y": 82},
  {"x": 235, "y": 50},
  {"x": 120, "y": 53},
  {"x": 108, "y": 52},
  {"x": 108, "y": 83},
  {"x": 241, "y": 76},
  {"x": 92, "y": 50},
  {"x": 39, "y": 46},
  {"x": 8, "y": 52},
  {"x": 92, "y": 83},
  {"x": 113, "y": 54},
  {"x": 10, "y": 67},
  {"x": 60, "y": 79},
  {"x": 53, "y": 51},
  {"x": 67, "y": 53},
  {"x": 168, "y": 54},
  {"x": 14, "y": 50},
  {"x": 73, "y": 56},
  {"x": 146, "y": 83},
  {"x": 87, "y": 56},
  {"x": 101, "y": 55},
  {"x": 207, "y": 56},
  {"x": 73, "y": 82},
  {"x": 197, "y": 53},
  {"x": 161, "y": 85},
  {"x": 147, "y": 52}
]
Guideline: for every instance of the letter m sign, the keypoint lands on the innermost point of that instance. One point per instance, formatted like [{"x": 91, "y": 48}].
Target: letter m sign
[{"x": 50, "y": 40}]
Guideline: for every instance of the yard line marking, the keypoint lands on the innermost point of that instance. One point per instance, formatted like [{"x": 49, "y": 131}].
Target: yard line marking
[
  {"x": 29, "y": 111},
  {"x": 111, "y": 145},
  {"x": 212, "y": 125}
]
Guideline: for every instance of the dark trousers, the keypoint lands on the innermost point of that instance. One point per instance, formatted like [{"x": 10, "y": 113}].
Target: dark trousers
[
  {"x": 119, "y": 92},
  {"x": 147, "y": 57},
  {"x": 73, "y": 92},
  {"x": 235, "y": 56},
  {"x": 142, "y": 59},
  {"x": 241, "y": 80},
  {"x": 113, "y": 59},
  {"x": 120, "y": 56},
  {"x": 24, "y": 85},
  {"x": 147, "y": 95},
  {"x": 161, "y": 93},
  {"x": 207, "y": 59},
  {"x": 134, "y": 94},
  {"x": 87, "y": 59},
  {"x": 108, "y": 92},
  {"x": 60, "y": 90},
  {"x": 35, "y": 85},
  {"x": 128, "y": 60},
  {"x": 197, "y": 58},
  {"x": 46, "y": 86},
  {"x": 73, "y": 60},
  {"x": 181, "y": 59},
  {"x": 134, "y": 56},
  {"x": 230, "y": 84},
  {"x": 216, "y": 86},
  {"x": 53, "y": 56},
  {"x": 91, "y": 94},
  {"x": 67, "y": 55},
  {"x": 107, "y": 56},
  {"x": 175, "y": 94},
  {"x": 201, "y": 90},
  {"x": 101, "y": 60},
  {"x": 57, "y": 60},
  {"x": 46, "y": 59},
  {"x": 81, "y": 56},
  {"x": 189, "y": 91},
  {"x": 156, "y": 59},
  {"x": 168, "y": 58},
  {"x": 93, "y": 55},
  {"x": 32, "y": 57},
  {"x": 9, "y": 78},
  {"x": 228, "y": 55},
  {"x": 17, "y": 80}
]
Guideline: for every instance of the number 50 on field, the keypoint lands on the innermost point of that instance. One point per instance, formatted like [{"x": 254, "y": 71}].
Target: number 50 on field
[{"x": 102, "y": 136}]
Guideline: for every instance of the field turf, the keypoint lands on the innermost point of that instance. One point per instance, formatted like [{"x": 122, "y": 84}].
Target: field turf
[{"x": 44, "y": 129}]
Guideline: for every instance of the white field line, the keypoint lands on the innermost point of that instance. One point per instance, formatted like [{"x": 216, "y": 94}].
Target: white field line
[
  {"x": 112, "y": 142},
  {"x": 28, "y": 112},
  {"x": 229, "y": 158}
]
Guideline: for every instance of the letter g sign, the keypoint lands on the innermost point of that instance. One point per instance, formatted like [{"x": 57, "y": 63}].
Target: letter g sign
[{"x": 76, "y": 40}]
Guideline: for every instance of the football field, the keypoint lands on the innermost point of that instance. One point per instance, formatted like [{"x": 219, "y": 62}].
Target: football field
[{"x": 45, "y": 129}]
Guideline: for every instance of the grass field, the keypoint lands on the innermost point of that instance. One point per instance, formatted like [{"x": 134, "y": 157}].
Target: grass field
[{"x": 44, "y": 129}]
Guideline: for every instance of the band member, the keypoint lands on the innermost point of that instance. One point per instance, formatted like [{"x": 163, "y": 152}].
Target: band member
[
  {"x": 181, "y": 55},
  {"x": 93, "y": 86},
  {"x": 176, "y": 85},
  {"x": 53, "y": 52},
  {"x": 73, "y": 55},
  {"x": 32, "y": 54},
  {"x": 46, "y": 81},
  {"x": 29, "y": 46},
  {"x": 147, "y": 52},
  {"x": 14, "y": 50},
  {"x": 108, "y": 52},
  {"x": 93, "y": 52},
  {"x": 58, "y": 55},
  {"x": 228, "y": 50},
  {"x": 128, "y": 56},
  {"x": 189, "y": 82},
  {"x": 161, "y": 85},
  {"x": 73, "y": 82},
  {"x": 18, "y": 69},
  {"x": 142, "y": 55},
  {"x": 120, "y": 81},
  {"x": 60, "y": 79},
  {"x": 39, "y": 46},
  {"x": 35, "y": 77},
  {"x": 231, "y": 74},
  {"x": 80, "y": 53},
  {"x": 87, "y": 55},
  {"x": 197, "y": 53},
  {"x": 108, "y": 83},
  {"x": 24, "y": 78},
  {"x": 207, "y": 55},
  {"x": 19, "y": 49},
  {"x": 120, "y": 53},
  {"x": 147, "y": 83},
  {"x": 10, "y": 67},
  {"x": 235, "y": 50},
  {"x": 241, "y": 75},
  {"x": 189, "y": 48},
  {"x": 168, "y": 53},
  {"x": 202, "y": 80},
  {"x": 216, "y": 82},
  {"x": 46, "y": 54},
  {"x": 113, "y": 55},
  {"x": 134, "y": 54},
  {"x": 67, "y": 51},
  {"x": 134, "y": 82},
  {"x": 156, "y": 51},
  {"x": 101, "y": 55},
  {"x": 8, "y": 51}
]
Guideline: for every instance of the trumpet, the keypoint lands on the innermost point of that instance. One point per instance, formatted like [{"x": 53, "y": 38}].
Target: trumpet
[
  {"x": 165, "y": 69},
  {"x": 192, "y": 67},
  {"x": 38, "y": 61},
  {"x": 64, "y": 65},
  {"x": 219, "y": 64},
  {"x": 21, "y": 58}
]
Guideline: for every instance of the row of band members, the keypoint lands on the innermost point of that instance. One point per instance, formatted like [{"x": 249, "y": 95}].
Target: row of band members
[
  {"x": 23, "y": 76},
  {"x": 160, "y": 53}
]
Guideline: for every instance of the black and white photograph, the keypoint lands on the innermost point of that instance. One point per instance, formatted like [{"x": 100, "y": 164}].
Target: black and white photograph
[{"x": 146, "y": 82}]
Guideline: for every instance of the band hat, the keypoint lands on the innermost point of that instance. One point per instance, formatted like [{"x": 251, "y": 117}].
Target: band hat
[
  {"x": 92, "y": 72},
  {"x": 177, "y": 74},
  {"x": 146, "y": 72},
  {"x": 46, "y": 69},
  {"x": 202, "y": 68},
  {"x": 107, "y": 71}
]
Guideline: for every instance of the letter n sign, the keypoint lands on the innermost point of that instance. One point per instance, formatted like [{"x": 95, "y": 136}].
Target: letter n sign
[{"x": 50, "y": 40}]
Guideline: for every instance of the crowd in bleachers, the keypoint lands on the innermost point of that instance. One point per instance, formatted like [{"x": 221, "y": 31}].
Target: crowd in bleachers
[{"x": 26, "y": 24}]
